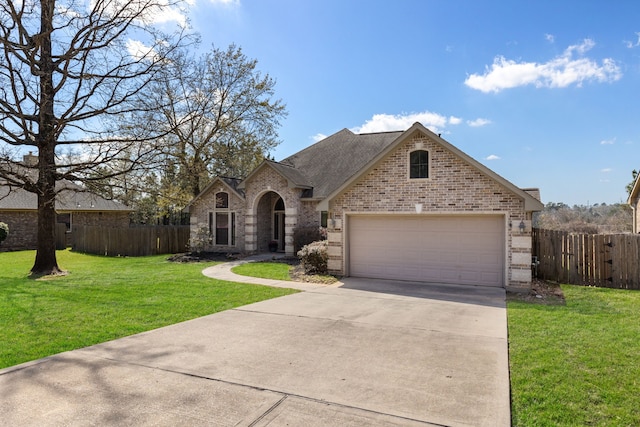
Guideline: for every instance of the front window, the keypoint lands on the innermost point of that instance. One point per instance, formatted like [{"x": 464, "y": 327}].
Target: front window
[
  {"x": 419, "y": 164},
  {"x": 222, "y": 222}
]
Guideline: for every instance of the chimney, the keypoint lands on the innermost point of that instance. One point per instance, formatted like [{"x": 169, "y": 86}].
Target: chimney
[{"x": 30, "y": 159}]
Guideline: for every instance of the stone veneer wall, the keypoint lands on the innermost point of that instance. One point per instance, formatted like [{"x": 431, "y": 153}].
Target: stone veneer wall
[
  {"x": 199, "y": 217},
  {"x": 453, "y": 187}
]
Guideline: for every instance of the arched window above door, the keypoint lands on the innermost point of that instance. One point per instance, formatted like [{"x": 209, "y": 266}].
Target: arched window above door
[{"x": 222, "y": 200}]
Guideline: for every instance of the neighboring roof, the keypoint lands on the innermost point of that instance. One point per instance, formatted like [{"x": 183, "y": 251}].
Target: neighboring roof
[
  {"x": 635, "y": 191},
  {"x": 231, "y": 183},
  {"x": 72, "y": 197},
  {"x": 535, "y": 192},
  {"x": 531, "y": 202}
]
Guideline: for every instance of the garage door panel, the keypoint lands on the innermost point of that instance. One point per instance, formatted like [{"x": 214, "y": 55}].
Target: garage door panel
[{"x": 447, "y": 249}]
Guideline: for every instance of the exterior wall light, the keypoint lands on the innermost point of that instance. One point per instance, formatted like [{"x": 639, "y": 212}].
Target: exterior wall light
[{"x": 522, "y": 226}]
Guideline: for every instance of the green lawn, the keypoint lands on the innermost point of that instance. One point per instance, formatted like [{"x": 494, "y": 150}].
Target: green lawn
[
  {"x": 577, "y": 364},
  {"x": 264, "y": 270},
  {"x": 103, "y": 299},
  {"x": 281, "y": 271}
]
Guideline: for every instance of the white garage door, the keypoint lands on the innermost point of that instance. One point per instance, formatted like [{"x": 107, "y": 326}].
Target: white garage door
[{"x": 442, "y": 249}]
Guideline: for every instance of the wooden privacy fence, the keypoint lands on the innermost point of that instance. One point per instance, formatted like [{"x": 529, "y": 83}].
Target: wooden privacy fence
[
  {"x": 604, "y": 260},
  {"x": 131, "y": 241}
]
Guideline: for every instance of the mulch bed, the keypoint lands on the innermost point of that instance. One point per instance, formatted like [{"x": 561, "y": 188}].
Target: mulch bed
[
  {"x": 203, "y": 257},
  {"x": 542, "y": 292}
]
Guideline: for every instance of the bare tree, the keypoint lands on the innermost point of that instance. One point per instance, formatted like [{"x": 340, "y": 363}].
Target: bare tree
[
  {"x": 65, "y": 65},
  {"x": 219, "y": 114},
  {"x": 592, "y": 219}
]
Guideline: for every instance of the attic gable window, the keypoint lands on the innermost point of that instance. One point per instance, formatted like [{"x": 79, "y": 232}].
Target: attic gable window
[
  {"x": 419, "y": 164},
  {"x": 222, "y": 200}
]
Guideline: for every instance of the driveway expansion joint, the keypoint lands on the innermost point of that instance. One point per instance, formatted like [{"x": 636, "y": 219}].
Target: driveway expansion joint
[{"x": 268, "y": 411}]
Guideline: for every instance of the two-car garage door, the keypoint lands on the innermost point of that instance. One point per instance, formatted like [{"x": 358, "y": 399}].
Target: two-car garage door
[{"x": 457, "y": 249}]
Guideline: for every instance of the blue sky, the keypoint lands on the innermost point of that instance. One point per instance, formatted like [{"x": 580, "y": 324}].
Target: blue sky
[{"x": 545, "y": 93}]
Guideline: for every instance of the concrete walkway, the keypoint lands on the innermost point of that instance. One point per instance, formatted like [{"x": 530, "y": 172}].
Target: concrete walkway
[
  {"x": 364, "y": 353},
  {"x": 223, "y": 272}
]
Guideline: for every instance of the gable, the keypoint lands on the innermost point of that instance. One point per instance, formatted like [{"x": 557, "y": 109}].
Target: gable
[
  {"x": 451, "y": 169},
  {"x": 229, "y": 185},
  {"x": 294, "y": 178}
]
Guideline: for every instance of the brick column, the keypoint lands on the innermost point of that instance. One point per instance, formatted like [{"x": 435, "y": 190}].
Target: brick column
[{"x": 250, "y": 232}]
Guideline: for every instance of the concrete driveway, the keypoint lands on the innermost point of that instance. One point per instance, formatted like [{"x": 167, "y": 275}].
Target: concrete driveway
[{"x": 370, "y": 352}]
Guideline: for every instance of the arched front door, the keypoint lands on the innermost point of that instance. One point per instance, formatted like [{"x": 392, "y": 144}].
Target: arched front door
[
  {"x": 278, "y": 223},
  {"x": 270, "y": 222}
]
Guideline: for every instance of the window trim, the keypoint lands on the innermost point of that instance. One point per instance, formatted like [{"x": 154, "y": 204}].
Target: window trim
[
  {"x": 220, "y": 209},
  {"x": 428, "y": 177}
]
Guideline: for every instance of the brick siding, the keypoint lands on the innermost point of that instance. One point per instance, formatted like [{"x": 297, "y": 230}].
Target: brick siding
[
  {"x": 23, "y": 225},
  {"x": 453, "y": 186},
  {"x": 199, "y": 213}
]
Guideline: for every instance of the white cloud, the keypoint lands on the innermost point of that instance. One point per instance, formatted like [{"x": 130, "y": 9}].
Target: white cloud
[
  {"x": 318, "y": 137},
  {"x": 550, "y": 38},
  {"x": 631, "y": 45},
  {"x": 139, "y": 50},
  {"x": 159, "y": 12},
  {"x": 455, "y": 120},
  {"x": 561, "y": 71},
  {"x": 606, "y": 170},
  {"x": 388, "y": 122},
  {"x": 479, "y": 122},
  {"x": 492, "y": 157},
  {"x": 608, "y": 141}
]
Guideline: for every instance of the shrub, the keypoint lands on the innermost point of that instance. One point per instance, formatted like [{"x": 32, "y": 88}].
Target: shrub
[
  {"x": 314, "y": 257},
  {"x": 304, "y": 235},
  {"x": 4, "y": 231}
]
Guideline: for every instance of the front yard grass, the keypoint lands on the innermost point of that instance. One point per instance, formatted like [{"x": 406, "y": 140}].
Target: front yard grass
[
  {"x": 281, "y": 271},
  {"x": 576, "y": 364},
  {"x": 264, "y": 270},
  {"x": 103, "y": 299}
]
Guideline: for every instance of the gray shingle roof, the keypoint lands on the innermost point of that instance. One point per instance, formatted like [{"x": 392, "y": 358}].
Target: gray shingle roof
[
  {"x": 294, "y": 176},
  {"x": 233, "y": 183},
  {"x": 71, "y": 198},
  {"x": 329, "y": 163}
]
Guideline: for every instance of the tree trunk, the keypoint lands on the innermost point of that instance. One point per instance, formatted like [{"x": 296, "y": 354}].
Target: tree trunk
[{"x": 46, "y": 262}]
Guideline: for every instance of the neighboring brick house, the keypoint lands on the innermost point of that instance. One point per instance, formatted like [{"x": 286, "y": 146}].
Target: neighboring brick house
[
  {"x": 403, "y": 205},
  {"x": 74, "y": 207},
  {"x": 634, "y": 202}
]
